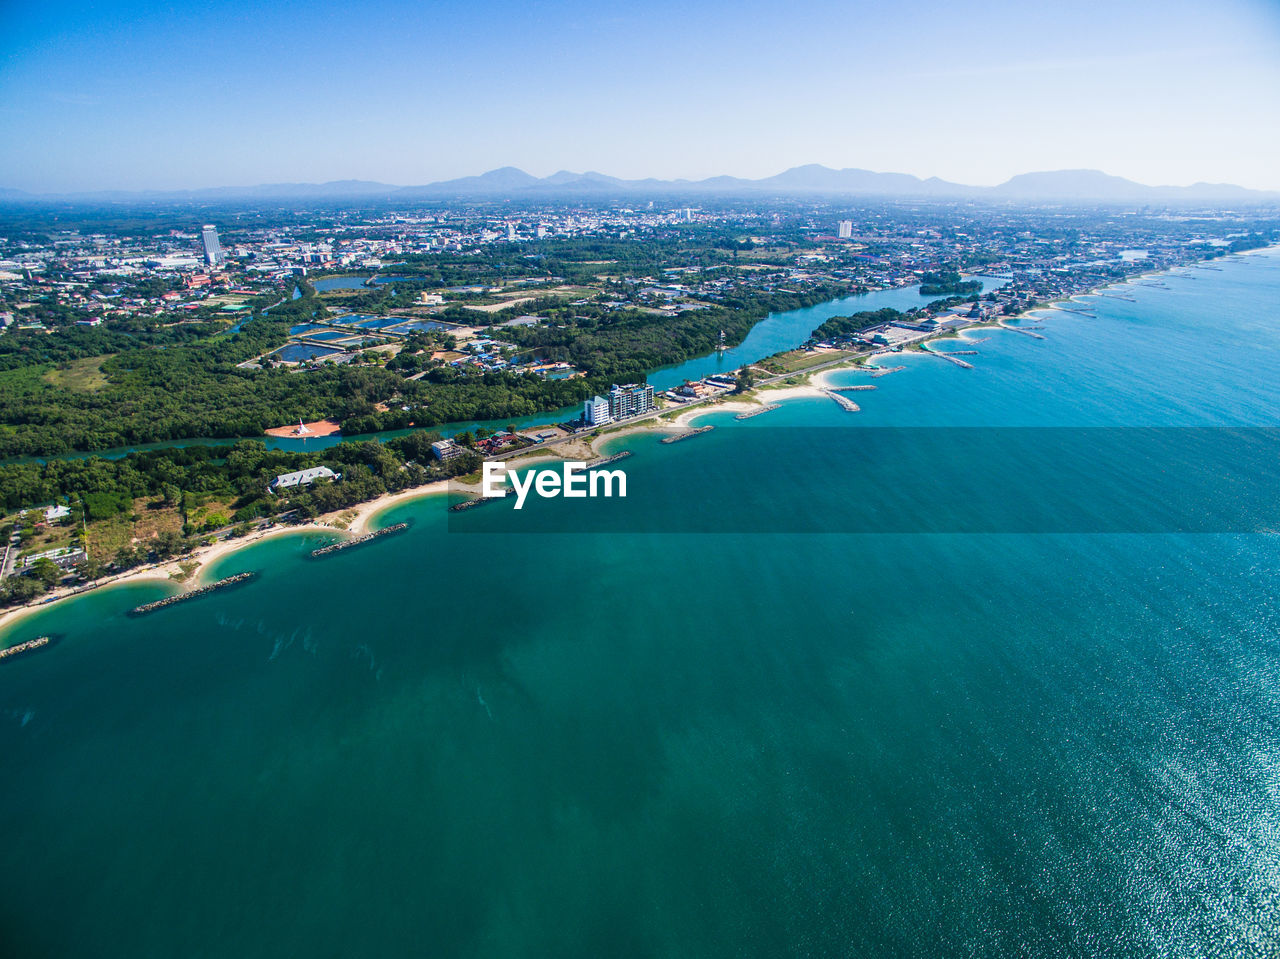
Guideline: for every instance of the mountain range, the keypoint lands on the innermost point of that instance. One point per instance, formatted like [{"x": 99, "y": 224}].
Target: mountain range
[{"x": 1061, "y": 186}]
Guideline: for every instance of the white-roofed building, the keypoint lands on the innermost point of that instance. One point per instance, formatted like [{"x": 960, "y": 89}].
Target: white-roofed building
[
  {"x": 302, "y": 478},
  {"x": 446, "y": 450}
]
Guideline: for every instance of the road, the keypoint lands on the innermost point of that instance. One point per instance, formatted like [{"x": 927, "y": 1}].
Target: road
[{"x": 9, "y": 556}]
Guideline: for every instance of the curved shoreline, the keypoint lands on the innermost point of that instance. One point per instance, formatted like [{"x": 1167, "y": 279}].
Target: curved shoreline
[
  {"x": 363, "y": 516},
  {"x": 203, "y": 557},
  {"x": 366, "y": 513}
]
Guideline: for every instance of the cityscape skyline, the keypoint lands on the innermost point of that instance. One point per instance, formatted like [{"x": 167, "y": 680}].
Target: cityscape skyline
[{"x": 92, "y": 99}]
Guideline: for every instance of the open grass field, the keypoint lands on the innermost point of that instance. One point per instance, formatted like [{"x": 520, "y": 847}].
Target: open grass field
[
  {"x": 226, "y": 299},
  {"x": 83, "y": 375},
  {"x": 209, "y": 514},
  {"x": 107, "y": 537},
  {"x": 46, "y": 538},
  {"x": 338, "y": 296},
  {"x": 794, "y": 361},
  {"x": 500, "y": 305}
]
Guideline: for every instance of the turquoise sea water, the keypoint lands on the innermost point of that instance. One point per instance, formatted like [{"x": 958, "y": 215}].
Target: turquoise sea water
[
  {"x": 786, "y": 331},
  {"x": 655, "y": 743}
]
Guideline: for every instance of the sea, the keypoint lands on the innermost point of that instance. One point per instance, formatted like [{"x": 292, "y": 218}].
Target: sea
[{"x": 791, "y": 731}]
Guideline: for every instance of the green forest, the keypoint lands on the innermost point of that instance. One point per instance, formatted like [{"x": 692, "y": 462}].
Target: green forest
[
  {"x": 846, "y": 327},
  {"x": 100, "y": 490},
  {"x": 627, "y": 344},
  {"x": 188, "y": 386},
  {"x": 91, "y": 389},
  {"x": 948, "y": 283}
]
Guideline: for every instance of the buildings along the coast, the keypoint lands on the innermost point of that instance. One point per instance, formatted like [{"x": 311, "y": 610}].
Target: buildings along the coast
[{"x": 623, "y": 402}]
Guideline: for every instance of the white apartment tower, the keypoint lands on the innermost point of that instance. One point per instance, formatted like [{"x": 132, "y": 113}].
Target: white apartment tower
[
  {"x": 595, "y": 411},
  {"x": 213, "y": 255}
]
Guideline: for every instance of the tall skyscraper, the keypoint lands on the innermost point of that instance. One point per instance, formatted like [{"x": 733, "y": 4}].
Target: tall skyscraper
[
  {"x": 213, "y": 255},
  {"x": 844, "y": 229}
]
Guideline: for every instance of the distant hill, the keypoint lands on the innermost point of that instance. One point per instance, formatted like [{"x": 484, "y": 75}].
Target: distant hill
[
  {"x": 804, "y": 179},
  {"x": 1094, "y": 185},
  {"x": 1059, "y": 186},
  {"x": 507, "y": 179},
  {"x": 815, "y": 179},
  {"x": 1069, "y": 185}
]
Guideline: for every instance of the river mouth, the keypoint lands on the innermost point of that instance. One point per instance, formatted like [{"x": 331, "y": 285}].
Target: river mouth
[{"x": 773, "y": 334}]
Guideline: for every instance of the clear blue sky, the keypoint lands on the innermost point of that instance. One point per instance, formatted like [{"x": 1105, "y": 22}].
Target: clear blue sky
[{"x": 129, "y": 95}]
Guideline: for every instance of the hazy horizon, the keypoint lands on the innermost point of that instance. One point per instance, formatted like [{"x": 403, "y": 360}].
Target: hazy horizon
[
  {"x": 693, "y": 182},
  {"x": 219, "y": 95}
]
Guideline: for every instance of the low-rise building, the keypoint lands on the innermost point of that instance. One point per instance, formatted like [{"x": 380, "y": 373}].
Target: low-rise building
[
  {"x": 446, "y": 450},
  {"x": 302, "y": 478},
  {"x": 65, "y": 557}
]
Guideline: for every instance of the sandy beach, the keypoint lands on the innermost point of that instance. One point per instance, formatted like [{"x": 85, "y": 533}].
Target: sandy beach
[
  {"x": 582, "y": 448},
  {"x": 686, "y": 419},
  {"x": 812, "y": 386},
  {"x": 365, "y": 513},
  {"x": 170, "y": 571}
]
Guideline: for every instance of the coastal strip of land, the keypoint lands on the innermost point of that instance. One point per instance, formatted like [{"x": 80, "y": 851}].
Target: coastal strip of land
[{"x": 812, "y": 382}]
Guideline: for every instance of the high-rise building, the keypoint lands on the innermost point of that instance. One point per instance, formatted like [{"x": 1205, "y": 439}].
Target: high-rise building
[
  {"x": 595, "y": 411},
  {"x": 630, "y": 400},
  {"x": 213, "y": 255},
  {"x": 844, "y": 229}
]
